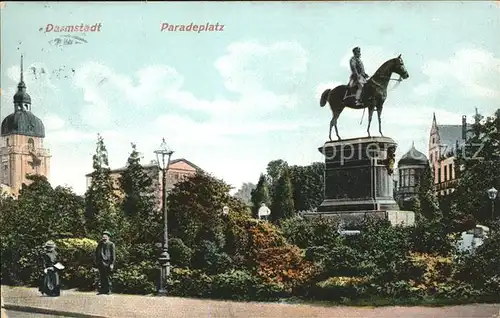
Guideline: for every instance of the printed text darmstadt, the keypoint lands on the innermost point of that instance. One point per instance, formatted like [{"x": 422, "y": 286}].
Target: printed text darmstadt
[
  {"x": 192, "y": 27},
  {"x": 74, "y": 28}
]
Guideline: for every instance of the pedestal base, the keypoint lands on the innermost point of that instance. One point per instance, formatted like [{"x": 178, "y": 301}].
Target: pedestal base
[{"x": 358, "y": 179}]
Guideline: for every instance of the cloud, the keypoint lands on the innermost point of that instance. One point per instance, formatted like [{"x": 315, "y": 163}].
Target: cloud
[
  {"x": 221, "y": 132},
  {"x": 265, "y": 78},
  {"x": 251, "y": 66},
  {"x": 53, "y": 122},
  {"x": 38, "y": 81},
  {"x": 477, "y": 71}
]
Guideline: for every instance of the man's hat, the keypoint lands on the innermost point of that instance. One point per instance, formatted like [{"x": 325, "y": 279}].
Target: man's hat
[
  {"x": 356, "y": 49},
  {"x": 107, "y": 233}
]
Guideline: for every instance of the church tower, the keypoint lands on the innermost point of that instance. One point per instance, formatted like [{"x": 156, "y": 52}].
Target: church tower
[{"x": 21, "y": 144}]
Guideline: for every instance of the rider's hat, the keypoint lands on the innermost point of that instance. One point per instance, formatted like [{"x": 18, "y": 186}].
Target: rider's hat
[
  {"x": 106, "y": 233},
  {"x": 356, "y": 49}
]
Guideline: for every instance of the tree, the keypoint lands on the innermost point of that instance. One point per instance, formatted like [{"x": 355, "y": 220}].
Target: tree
[
  {"x": 282, "y": 206},
  {"x": 70, "y": 211},
  {"x": 274, "y": 170},
  {"x": 426, "y": 204},
  {"x": 245, "y": 193},
  {"x": 308, "y": 186},
  {"x": 100, "y": 198},
  {"x": 140, "y": 200},
  {"x": 478, "y": 163},
  {"x": 260, "y": 195},
  {"x": 195, "y": 206}
]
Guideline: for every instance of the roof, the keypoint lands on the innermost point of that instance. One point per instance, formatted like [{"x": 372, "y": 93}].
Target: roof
[
  {"x": 413, "y": 157},
  {"x": 450, "y": 135},
  {"x": 154, "y": 165},
  {"x": 23, "y": 122}
]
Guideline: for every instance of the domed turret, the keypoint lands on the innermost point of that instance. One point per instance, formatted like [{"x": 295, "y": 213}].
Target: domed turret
[
  {"x": 413, "y": 157},
  {"x": 22, "y": 121}
]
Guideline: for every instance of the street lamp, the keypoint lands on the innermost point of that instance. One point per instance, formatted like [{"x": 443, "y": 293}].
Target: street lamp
[
  {"x": 492, "y": 194},
  {"x": 164, "y": 258},
  {"x": 225, "y": 211}
]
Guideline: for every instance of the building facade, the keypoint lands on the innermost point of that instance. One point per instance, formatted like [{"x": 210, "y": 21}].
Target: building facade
[
  {"x": 444, "y": 141},
  {"x": 410, "y": 168},
  {"x": 178, "y": 170},
  {"x": 22, "y": 151}
]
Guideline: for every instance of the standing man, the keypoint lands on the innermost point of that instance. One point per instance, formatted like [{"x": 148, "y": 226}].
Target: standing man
[
  {"x": 358, "y": 75},
  {"x": 105, "y": 257}
]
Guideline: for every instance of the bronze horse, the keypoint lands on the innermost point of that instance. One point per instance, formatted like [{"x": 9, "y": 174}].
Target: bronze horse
[{"x": 373, "y": 95}]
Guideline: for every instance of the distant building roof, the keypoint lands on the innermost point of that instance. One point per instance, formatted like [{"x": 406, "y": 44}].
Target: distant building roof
[
  {"x": 450, "y": 135},
  {"x": 154, "y": 165}
]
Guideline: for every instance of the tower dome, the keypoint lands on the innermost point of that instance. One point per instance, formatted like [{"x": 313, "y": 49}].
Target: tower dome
[
  {"x": 22, "y": 121},
  {"x": 413, "y": 157}
]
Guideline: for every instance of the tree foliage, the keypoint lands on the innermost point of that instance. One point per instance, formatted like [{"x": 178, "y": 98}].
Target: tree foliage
[
  {"x": 282, "y": 206},
  {"x": 308, "y": 186},
  {"x": 195, "y": 206},
  {"x": 100, "y": 197},
  {"x": 478, "y": 163},
  {"x": 426, "y": 204},
  {"x": 260, "y": 195},
  {"x": 140, "y": 204}
]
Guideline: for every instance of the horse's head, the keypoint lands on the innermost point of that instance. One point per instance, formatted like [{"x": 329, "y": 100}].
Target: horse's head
[{"x": 399, "y": 67}]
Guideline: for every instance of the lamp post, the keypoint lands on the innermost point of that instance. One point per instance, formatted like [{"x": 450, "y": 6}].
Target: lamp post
[
  {"x": 164, "y": 258},
  {"x": 492, "y": 194}
]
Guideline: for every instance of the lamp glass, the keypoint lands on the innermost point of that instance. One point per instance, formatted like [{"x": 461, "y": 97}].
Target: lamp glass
[
  {"x": 161, "y": 152},
  {"x": 492, "y": 193}
]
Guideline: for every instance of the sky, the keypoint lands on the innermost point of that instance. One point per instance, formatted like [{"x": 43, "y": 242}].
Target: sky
[{"x": 234, "y": 98}]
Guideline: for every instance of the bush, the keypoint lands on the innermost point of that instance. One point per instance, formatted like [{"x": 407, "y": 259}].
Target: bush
[
  {"x": 242, "y": 285},
  {"x": 338, "y": 260},
  {"x": 210, "y": 258},
  {"x": 432, "y": 238},
  {"x": 284, "y": 265},
  {"x": 337, "y": 288},
  {"x": 190, "y": 283},
  {"x": 429, "y": 270},
  {"x": 136, "y": 278},
  {"x": 180, "y": 253},
  {"x": 77, "y": 255},
  {"x": 298, "y": 231},
  {"x": 480, "y": 269}
]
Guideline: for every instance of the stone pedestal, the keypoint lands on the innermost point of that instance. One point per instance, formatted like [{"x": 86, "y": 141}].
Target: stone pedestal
[{"x": 358, "y": 180}]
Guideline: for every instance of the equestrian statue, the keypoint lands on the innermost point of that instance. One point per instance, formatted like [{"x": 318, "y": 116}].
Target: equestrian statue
[{"x": 363, "y": 91}]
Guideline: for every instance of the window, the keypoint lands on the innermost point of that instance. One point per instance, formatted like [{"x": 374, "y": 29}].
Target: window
[
  {"x": 445, "y": 173},
  {"x": 5, "y": 174},
  {"x": 450, "y": 169},
  {"x": 8, "y": 142},
  {"x": 439, "y": 175},
  {"x": 31, "y": 144}
]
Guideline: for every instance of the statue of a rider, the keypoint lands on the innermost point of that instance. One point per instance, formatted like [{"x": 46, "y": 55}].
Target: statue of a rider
[{"x": 358, "y": 75}]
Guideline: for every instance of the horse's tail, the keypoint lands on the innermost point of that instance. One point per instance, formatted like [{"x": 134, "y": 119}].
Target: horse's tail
[{"x": 324, "y": 97}]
